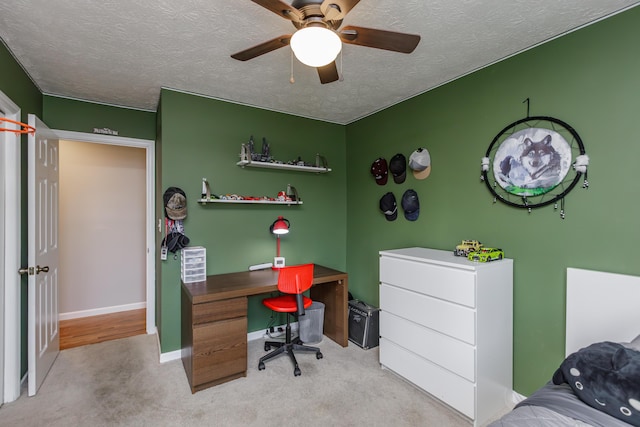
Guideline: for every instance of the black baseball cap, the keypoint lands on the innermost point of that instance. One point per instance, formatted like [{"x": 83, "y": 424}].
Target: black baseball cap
[
  {"x": 389, "y": 207},
  {"x": 398, "y": 168}
]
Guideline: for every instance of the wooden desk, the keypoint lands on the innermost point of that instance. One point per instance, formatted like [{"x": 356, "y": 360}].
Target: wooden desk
[{"x": 214, "y": 320}]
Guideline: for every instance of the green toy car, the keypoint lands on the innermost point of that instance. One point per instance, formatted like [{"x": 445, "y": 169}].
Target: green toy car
[{"x": 486, "y": 254}]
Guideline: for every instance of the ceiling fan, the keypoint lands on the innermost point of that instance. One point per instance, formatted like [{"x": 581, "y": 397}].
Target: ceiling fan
[{"x": 325, "y": 16}]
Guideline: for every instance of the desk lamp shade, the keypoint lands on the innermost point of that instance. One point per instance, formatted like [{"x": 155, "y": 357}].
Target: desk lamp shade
[{"x": 279, "y": 227}]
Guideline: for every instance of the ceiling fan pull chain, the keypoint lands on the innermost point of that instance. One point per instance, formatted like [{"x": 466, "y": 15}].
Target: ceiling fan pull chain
[
  {"x": 291, "y": 79},
  {"x": 341, "y": 78}
]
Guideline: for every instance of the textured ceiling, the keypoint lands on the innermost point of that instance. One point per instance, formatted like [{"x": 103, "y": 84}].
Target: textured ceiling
[{"x": 122, "y": 52}]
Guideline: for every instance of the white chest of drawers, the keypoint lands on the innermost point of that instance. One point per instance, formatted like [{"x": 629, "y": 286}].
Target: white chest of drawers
[{"x": 446, "y": 325}]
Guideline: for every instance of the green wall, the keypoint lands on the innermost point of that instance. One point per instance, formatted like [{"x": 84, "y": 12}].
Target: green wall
[
  {"x": 589, "y": 79},
  {"x": 201, "y": 137},
  {"x": 17, "y": 85},
  {"x": 79, "y": 116}
]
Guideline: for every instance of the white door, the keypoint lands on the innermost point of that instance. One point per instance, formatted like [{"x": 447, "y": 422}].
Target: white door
[{"x": 43, "y": 331}]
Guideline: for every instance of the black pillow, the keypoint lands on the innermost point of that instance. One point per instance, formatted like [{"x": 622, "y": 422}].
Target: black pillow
[{"x": 605, "y": 376}]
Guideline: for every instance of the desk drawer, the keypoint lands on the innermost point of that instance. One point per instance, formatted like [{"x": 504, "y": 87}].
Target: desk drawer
[
  {"x": 219, "y": 350},
  {"x": 449, "y": 388},
  {"x": 450, "y": 319},
  {"x": 451, "y": 284},
  {"x": 453, "y": 355},
  {"x": 219, "y": 310}
]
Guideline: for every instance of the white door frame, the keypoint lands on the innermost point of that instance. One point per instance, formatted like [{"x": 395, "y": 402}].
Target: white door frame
[
  {"x": 149, "y": 146},
  {"x": 10, "y": 220}
]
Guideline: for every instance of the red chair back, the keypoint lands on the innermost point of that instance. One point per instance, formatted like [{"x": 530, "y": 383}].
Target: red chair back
[{"x": 295, "y": 279}]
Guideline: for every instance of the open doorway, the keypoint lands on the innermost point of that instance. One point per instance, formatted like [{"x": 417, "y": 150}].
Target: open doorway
[
  {"x": 102, "y": 205},
  {"x": 108, "y": 218}
]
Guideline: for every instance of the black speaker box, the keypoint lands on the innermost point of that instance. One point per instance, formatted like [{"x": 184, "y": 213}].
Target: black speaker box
[{"x": 364, "y": 329}]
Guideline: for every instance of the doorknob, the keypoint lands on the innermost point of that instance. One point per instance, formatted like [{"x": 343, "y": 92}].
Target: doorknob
[{"x": 31, "y": 271}]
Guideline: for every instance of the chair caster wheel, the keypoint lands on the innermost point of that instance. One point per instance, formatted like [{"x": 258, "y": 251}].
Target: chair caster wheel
[
  {"x": 267, "y": 347},
  {"x": 261, "y": 366},
  {"x": 318, "y": 355},
  {"x": 297, "y": 372}
]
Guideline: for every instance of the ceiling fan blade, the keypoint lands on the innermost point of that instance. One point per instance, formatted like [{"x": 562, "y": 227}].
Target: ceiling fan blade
[
  {"x": 281, "y": 8},
  {"x": 380, "y": 39},
  {"x": 334, "y": 10},
  {"x": 328, "y": 73},
  {"x": 262, "y": 48}
]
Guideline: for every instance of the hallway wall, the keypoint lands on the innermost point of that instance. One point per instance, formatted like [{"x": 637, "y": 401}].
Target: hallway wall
[{"x": 102, "y": 228}]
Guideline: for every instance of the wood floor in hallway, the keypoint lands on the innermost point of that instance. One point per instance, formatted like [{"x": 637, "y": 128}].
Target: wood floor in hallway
[{"x": 104, "y": 327}]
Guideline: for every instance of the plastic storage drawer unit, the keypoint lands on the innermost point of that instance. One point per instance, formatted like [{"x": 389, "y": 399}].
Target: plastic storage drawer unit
[{"x": 194, "y": 264}]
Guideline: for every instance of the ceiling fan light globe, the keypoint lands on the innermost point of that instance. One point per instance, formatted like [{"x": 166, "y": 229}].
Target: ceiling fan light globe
[{"x": 316, "y": 46}]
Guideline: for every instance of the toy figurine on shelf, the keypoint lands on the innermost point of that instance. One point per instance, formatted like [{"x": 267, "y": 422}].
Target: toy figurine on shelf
[
  {"x": 244, "y": 155},
  {"x": 206, "y": 190},
  {"x": 252, "y": 151},
  {"x": 266, "y": 151}
]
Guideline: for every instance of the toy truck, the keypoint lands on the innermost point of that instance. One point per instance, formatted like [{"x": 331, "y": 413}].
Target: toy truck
[{"x": 467, "y": 246}]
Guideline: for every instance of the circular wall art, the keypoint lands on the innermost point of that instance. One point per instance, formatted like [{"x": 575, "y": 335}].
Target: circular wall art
[{"x": 534, "y": 162}]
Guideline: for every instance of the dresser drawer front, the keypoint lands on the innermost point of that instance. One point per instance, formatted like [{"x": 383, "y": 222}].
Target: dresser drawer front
[
  {"x": 451, "y": 319},
  {"x": 219, "y": 350},
  {"x": 219, "y": 310},
  {"x": 444, "y": 385},
  {"x": 440, "y": 282},
  {"x": 453, "y": 355}
]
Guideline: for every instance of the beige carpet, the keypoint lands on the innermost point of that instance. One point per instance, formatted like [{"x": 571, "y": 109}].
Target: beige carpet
[{"x": 122, "y": 383}]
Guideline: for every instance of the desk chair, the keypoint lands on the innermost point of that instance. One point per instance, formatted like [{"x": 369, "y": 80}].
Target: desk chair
[{"x": 292, "y": 282}]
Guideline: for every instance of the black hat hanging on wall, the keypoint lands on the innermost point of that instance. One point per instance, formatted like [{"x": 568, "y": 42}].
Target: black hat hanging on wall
[
  {"x": 534, "y": 162},
  {"x": 398, "y": 168},
  {"x": 389, "y": 207}
]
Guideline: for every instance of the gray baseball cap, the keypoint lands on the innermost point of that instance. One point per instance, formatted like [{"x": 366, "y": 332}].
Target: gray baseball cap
[{"x": 420, "y": 163}]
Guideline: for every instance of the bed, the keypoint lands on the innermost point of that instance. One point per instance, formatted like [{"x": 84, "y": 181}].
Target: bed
[{"x": 598, "y": 383}]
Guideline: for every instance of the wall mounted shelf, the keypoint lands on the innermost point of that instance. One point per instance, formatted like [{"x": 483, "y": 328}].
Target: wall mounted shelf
[
  {"x": 268, "y": 165},
  {"x": 247, "y": 202}
]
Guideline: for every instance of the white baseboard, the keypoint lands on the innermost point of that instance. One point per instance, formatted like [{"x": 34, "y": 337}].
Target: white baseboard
[
  {"x": 102, "y": 310},
  {"x": 257, "y": 335},
  {"x": 169, "y": 356},
  {"x": 517, "y": 397}
]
